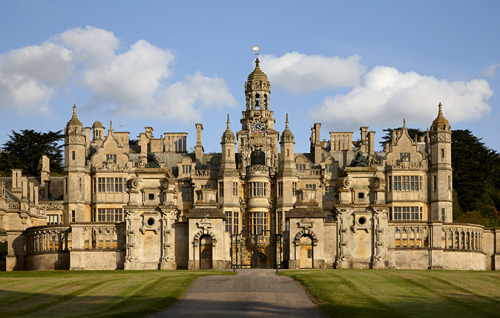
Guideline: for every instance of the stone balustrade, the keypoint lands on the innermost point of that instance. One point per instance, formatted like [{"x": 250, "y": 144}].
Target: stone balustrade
[
  {"x": 411, "y": 235},
  {"x": 258, "y": 171},
  {"x": 50, "y": 238},
  {"x": 462, "y": 237},
  {"x": 94, "y": 236},
  {"x": 309, "y": 172}
]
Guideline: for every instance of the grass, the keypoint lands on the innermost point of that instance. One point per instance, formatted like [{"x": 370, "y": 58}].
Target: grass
[
  {"x": 92, "y": 293},
  {"x": 403, "y": 293}
]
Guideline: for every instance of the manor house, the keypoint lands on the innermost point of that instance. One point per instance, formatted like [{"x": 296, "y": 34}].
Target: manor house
[{"x": 255, "y": 204}]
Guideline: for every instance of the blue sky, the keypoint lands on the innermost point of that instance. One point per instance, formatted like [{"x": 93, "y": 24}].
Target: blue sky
[{"x": 170, "y": 64}]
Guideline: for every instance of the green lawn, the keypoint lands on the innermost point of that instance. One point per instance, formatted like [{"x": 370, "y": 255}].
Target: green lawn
[
  {"x": 403, "y": 293},
  {"x": 92, "y": 293}
]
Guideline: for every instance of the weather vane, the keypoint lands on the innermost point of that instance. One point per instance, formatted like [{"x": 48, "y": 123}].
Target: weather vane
[{"x": 256, "y": 50}]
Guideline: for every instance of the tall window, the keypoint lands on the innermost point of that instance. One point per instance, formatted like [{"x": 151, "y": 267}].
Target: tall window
[
  {"x": 405, "y": 183},
  {"x": 329, "y": 168},
  {"x": 232, "y": 221},
  {"x": 329, "y": 193},
  {"x": 407, "y": 213},
  {"x": 221, "y": 189},
  {"x": 280, "y": 189},
  {"x": 187, "y": 194},
  {"x": 186, "y": 168},
  {"x": 235, "y": 189},
  {"x": 110, "y": 185},
  {"x": 109, "y": 215},
  {"x": 294, "y": 188},
  {"x": 257, "y": 189},
  {"x": 258, "y": 223}
]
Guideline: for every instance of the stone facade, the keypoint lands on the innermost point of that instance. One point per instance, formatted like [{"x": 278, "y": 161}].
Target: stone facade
[{"x": 257, "y": 203}]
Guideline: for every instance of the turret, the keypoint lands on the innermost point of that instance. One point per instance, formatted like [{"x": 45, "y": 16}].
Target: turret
[
  {"x": 228, "y": 143},
  {"x": 287, "y": 143},
  {"x": 441, "y": 170},
  {"x": 74, "y": 167}
]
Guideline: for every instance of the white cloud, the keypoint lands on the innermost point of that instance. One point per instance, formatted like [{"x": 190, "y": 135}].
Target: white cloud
[
  {"x": 302, "y": 73},
  {"x": 125, "y": 83},
  {"x": 491, "y": 69},
  {"x": 385, "y": 96},
  {"x": 130, "y": 78},
  {"x": 92, "y": 42},
  {"x": 178, "y": 101}
]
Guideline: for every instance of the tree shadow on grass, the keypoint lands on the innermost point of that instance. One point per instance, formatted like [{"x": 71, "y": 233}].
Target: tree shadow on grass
[{"x": 46, "y": 305}]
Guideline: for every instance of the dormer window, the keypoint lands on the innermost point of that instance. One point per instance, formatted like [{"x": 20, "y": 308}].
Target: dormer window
[
  {"x": 404, "y": 156},
  {"x": 111, "y": 158}
]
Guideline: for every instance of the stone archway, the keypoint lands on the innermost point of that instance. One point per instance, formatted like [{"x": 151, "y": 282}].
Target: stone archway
[
  {"x": 206, "y": 252},
  {"x": 305, "y": 241},
  {"x": 204, "y": 243}
]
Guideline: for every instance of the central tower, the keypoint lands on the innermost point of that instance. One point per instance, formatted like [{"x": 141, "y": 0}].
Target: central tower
[
  {"x": 257, "y": 139},
  {"x": 257, "y": 167}
]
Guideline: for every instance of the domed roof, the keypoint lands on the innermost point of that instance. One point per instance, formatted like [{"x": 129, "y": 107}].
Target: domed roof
[
  {"x": 74, "y": 121},
  {"x": 257, "y": 75},
  {"x": 440, "y": 119},
  {"x": 97, "y": 124}
]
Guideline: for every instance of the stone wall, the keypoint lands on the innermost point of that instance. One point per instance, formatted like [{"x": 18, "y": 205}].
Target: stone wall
[
  {"x": 97, "y": 259},
  {"x": 55, "y": 260}
]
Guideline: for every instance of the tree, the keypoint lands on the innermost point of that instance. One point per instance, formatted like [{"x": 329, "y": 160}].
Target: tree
[
  {"x": 475, "y": 168},
  {"x": 412, "y": 132},
  {"x": 25, "y": 149}
]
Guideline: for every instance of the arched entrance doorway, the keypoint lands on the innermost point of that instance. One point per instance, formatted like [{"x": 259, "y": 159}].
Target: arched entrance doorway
[
  {"x": 206, "y": 247},
  {"x": 306, "y": 252}
]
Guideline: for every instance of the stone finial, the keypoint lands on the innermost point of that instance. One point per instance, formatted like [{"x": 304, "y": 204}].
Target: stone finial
[
  {"x": 74, "y": 119},
  {"x": 440, "y": 119}
]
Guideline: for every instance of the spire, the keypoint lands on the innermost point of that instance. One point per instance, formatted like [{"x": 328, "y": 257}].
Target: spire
[
  {"x": 74, "y": 121},
  {"x": 440, "y": 119},
  {"x": 228, "y": 135},
  {"x": 287, "y": 134},
  {"x": 404, "y": 123}
]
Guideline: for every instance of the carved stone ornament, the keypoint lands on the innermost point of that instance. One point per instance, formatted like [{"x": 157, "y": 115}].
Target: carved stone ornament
[
  {"x": 135, "y": 184},
  {"x": 150, "y": 222},
  {"x": 362, "y": 223},
  {"x": 347, "y": 181},
  {"x": 204, "y": 224},
  {"x": 305, "y": 223}
]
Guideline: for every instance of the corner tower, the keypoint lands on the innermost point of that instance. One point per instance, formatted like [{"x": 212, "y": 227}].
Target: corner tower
[
  {"x": 74, "y": 168},
  {"x": 441, "y": 170}
]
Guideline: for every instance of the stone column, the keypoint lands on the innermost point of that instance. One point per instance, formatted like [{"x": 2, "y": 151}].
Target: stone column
[{"x": 435, "y": 248}]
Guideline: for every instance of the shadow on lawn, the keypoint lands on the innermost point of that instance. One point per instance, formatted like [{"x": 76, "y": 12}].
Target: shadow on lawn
[
  {"x": 26, "y": 304},
  {"x": 450, "y": 305}
]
